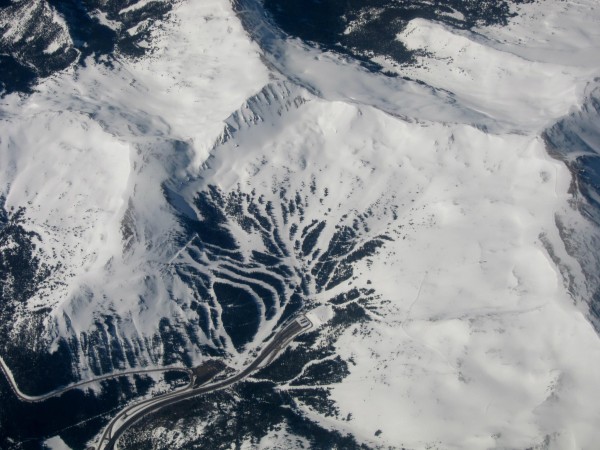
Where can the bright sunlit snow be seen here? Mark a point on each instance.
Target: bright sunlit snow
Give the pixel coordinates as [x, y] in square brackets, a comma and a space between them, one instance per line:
[478, 337]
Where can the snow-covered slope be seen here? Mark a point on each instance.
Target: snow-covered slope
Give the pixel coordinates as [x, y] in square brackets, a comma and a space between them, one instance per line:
[90, 157]
[508, 87]
[184, 204]
[575, 139]
[37, 36]
[453, 348]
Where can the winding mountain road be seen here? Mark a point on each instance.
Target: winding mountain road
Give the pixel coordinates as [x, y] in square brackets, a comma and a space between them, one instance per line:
[58, 392]
[133, 413]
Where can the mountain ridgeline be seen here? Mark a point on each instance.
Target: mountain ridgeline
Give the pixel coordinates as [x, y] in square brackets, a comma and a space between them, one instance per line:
[575, 139]
[41, 37]
[364, 29]
[248, 261]
[185, 209]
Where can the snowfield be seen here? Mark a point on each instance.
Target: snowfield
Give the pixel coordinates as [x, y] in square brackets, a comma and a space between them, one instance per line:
[478, 344]
[438, 201]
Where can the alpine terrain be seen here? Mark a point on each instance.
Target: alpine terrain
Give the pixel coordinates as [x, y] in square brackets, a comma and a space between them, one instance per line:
[287, 224]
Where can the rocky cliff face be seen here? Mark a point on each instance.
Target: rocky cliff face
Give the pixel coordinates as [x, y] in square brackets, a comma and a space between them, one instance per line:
[575, 139]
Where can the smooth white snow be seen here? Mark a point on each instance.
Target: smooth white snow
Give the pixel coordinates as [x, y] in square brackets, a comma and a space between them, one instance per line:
[56, 443]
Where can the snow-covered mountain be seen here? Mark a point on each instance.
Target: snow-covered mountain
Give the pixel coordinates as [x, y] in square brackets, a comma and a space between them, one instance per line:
[178, 178]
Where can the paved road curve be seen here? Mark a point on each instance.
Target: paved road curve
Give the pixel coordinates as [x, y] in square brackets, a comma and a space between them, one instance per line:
[58, 392]
[132, 414]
